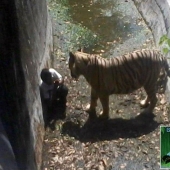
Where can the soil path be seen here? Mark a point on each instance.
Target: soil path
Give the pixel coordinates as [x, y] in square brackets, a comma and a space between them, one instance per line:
[129, 140]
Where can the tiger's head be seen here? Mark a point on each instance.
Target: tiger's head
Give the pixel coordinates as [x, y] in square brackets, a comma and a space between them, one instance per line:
[78, 62]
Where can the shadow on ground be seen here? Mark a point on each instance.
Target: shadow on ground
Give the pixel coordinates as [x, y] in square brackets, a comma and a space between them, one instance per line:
[112, 129]
[58, 113]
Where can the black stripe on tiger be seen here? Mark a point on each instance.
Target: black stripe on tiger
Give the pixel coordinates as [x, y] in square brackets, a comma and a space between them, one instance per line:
[122, 75]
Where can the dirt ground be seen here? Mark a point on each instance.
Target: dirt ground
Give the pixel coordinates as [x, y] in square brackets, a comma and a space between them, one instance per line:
[128, 140]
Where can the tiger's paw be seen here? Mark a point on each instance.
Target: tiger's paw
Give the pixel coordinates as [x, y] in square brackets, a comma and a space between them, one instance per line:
[88, 109]
[144, 104]
[103, 116]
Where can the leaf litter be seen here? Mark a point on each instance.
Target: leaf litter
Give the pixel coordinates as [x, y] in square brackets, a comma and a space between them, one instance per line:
[128, 140]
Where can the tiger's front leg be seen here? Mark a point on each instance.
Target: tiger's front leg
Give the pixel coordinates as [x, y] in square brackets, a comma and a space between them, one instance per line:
[105, 104]
[151, 98]
[91, 109]
[144, 103]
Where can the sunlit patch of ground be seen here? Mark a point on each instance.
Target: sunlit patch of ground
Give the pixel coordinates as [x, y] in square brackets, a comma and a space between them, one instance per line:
[128, 140]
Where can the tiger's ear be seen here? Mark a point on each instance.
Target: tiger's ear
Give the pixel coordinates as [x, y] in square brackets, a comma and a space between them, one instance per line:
[81, 49]
[72, 57]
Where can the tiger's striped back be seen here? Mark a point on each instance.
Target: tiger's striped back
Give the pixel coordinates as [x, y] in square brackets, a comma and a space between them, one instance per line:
[124, 74]
[121, 75]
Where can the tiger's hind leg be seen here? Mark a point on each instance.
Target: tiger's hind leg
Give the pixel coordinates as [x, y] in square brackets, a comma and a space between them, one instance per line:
[104, 99]
[150, 91]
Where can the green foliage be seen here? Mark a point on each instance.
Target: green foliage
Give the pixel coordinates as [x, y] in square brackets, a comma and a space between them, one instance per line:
[165, 43]
[163, 39]
[58, 9]
[74, 34]
[81, 36]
